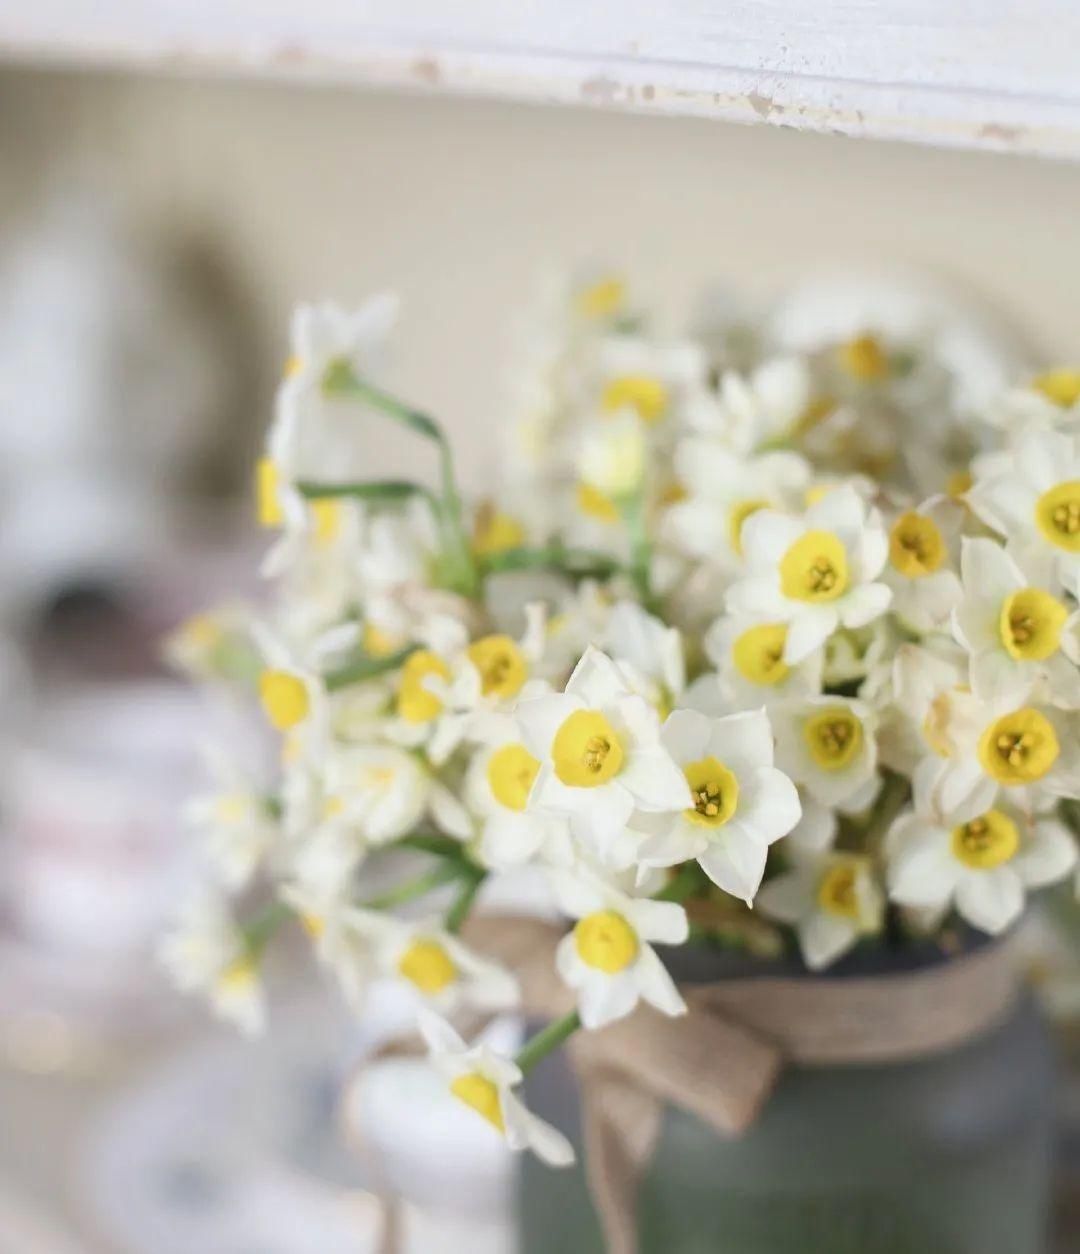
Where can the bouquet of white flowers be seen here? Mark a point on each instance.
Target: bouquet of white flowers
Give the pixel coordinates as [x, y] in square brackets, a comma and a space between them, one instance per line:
[750, 648]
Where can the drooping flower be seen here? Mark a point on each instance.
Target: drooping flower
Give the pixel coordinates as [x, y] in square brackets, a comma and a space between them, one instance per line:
[438, 968]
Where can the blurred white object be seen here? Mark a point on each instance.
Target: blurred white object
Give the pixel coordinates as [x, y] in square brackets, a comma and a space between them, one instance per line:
[109, 383]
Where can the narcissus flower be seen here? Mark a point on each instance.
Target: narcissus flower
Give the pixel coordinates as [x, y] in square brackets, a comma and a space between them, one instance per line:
[832, 901]
[828, 746]
[438, 968]
[1019, 634]
[237, 824]
[607, 958]
[980, 860]
[748, 654]
[815, 573]
[600, 753]
[484, 1081]
[921, 566]
[740, 803]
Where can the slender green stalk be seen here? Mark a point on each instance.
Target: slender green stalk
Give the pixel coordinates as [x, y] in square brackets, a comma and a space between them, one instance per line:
[259, 929]
[445, 873]
[365, 668]
[578, 563]
[459, 911]
[548, 1039]
[633, 511]
[685, 882]
[439, 846]
[378, 491]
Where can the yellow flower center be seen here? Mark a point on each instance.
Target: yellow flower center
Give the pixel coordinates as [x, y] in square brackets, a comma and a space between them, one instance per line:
[268, 494]
[482, 1095]
[294, 363]
[834, 737]
[501, 664]
[642, 392]
[235, 808]
[958, 483]
[586, 750]
[758, 654]
[495, 532]
[986, 842]
[864, 359]
[1057, 515]
[606, 941]
[511, 771]
[202, 632]
[916, 546]
[328, 515]
[1019, 748]
[1061, 386]
[937, 722]
[238, 976]
[1030, 624]
[428, 966]
[715, 792]
[738, 515]
[602, 299]
[378, 643]
[836, 890]
[284, 698]
[596, 504]
[414, 703]
[814, 568]
[313, 924]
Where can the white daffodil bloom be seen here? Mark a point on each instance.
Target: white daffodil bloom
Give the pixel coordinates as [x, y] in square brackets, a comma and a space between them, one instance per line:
[1030, 751]
[648, 652]
[439, 969]
[723, 489]
[832, 901]
[484, 1081]
[769, 404]
[1019, 635]
[600, 753]
[815, 573]
[654, 382]
[740, 803]
[345, 937]
[924, 703]
[238, 827]
[982, 861]
[291, 690]
[1051, 400]
[828, 745]
[496, 791]
[611, 462]
[607, 958]
[1033, 500]
[922, 559]
[748, 653]
[206, 952]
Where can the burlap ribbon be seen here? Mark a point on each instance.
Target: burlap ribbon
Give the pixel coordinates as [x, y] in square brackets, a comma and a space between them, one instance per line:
[721, 1060]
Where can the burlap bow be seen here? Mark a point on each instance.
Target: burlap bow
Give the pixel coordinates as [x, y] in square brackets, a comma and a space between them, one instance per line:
[721, 1060]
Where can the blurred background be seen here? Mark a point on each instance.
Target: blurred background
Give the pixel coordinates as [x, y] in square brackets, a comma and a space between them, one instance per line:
[154, 235]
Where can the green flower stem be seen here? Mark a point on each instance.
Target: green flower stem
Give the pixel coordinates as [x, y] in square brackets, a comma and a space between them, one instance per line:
[548, 1039]
[379, 491]
[459, 911]
[444, 873]
[439, 846]
[685, 882]
[633, 512]
[340, 380]
[578, 563]
[261, 927]
[365, 668]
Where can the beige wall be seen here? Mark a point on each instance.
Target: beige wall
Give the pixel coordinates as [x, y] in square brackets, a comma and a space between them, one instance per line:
[317, 191]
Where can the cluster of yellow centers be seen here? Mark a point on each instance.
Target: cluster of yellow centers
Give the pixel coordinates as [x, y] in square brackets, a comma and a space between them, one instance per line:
[427, 966]
[641, 392]
[511, 772]
[482, 1095]
[815, 568]
[1030, 624]
[714, 790]
[758, 654]
[606, 942]
[284, 698]
[1057, 515]
[916, 546]
[986, 842]
[837, 889]
[1019, 748]
[834, 737]
[586, 751]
